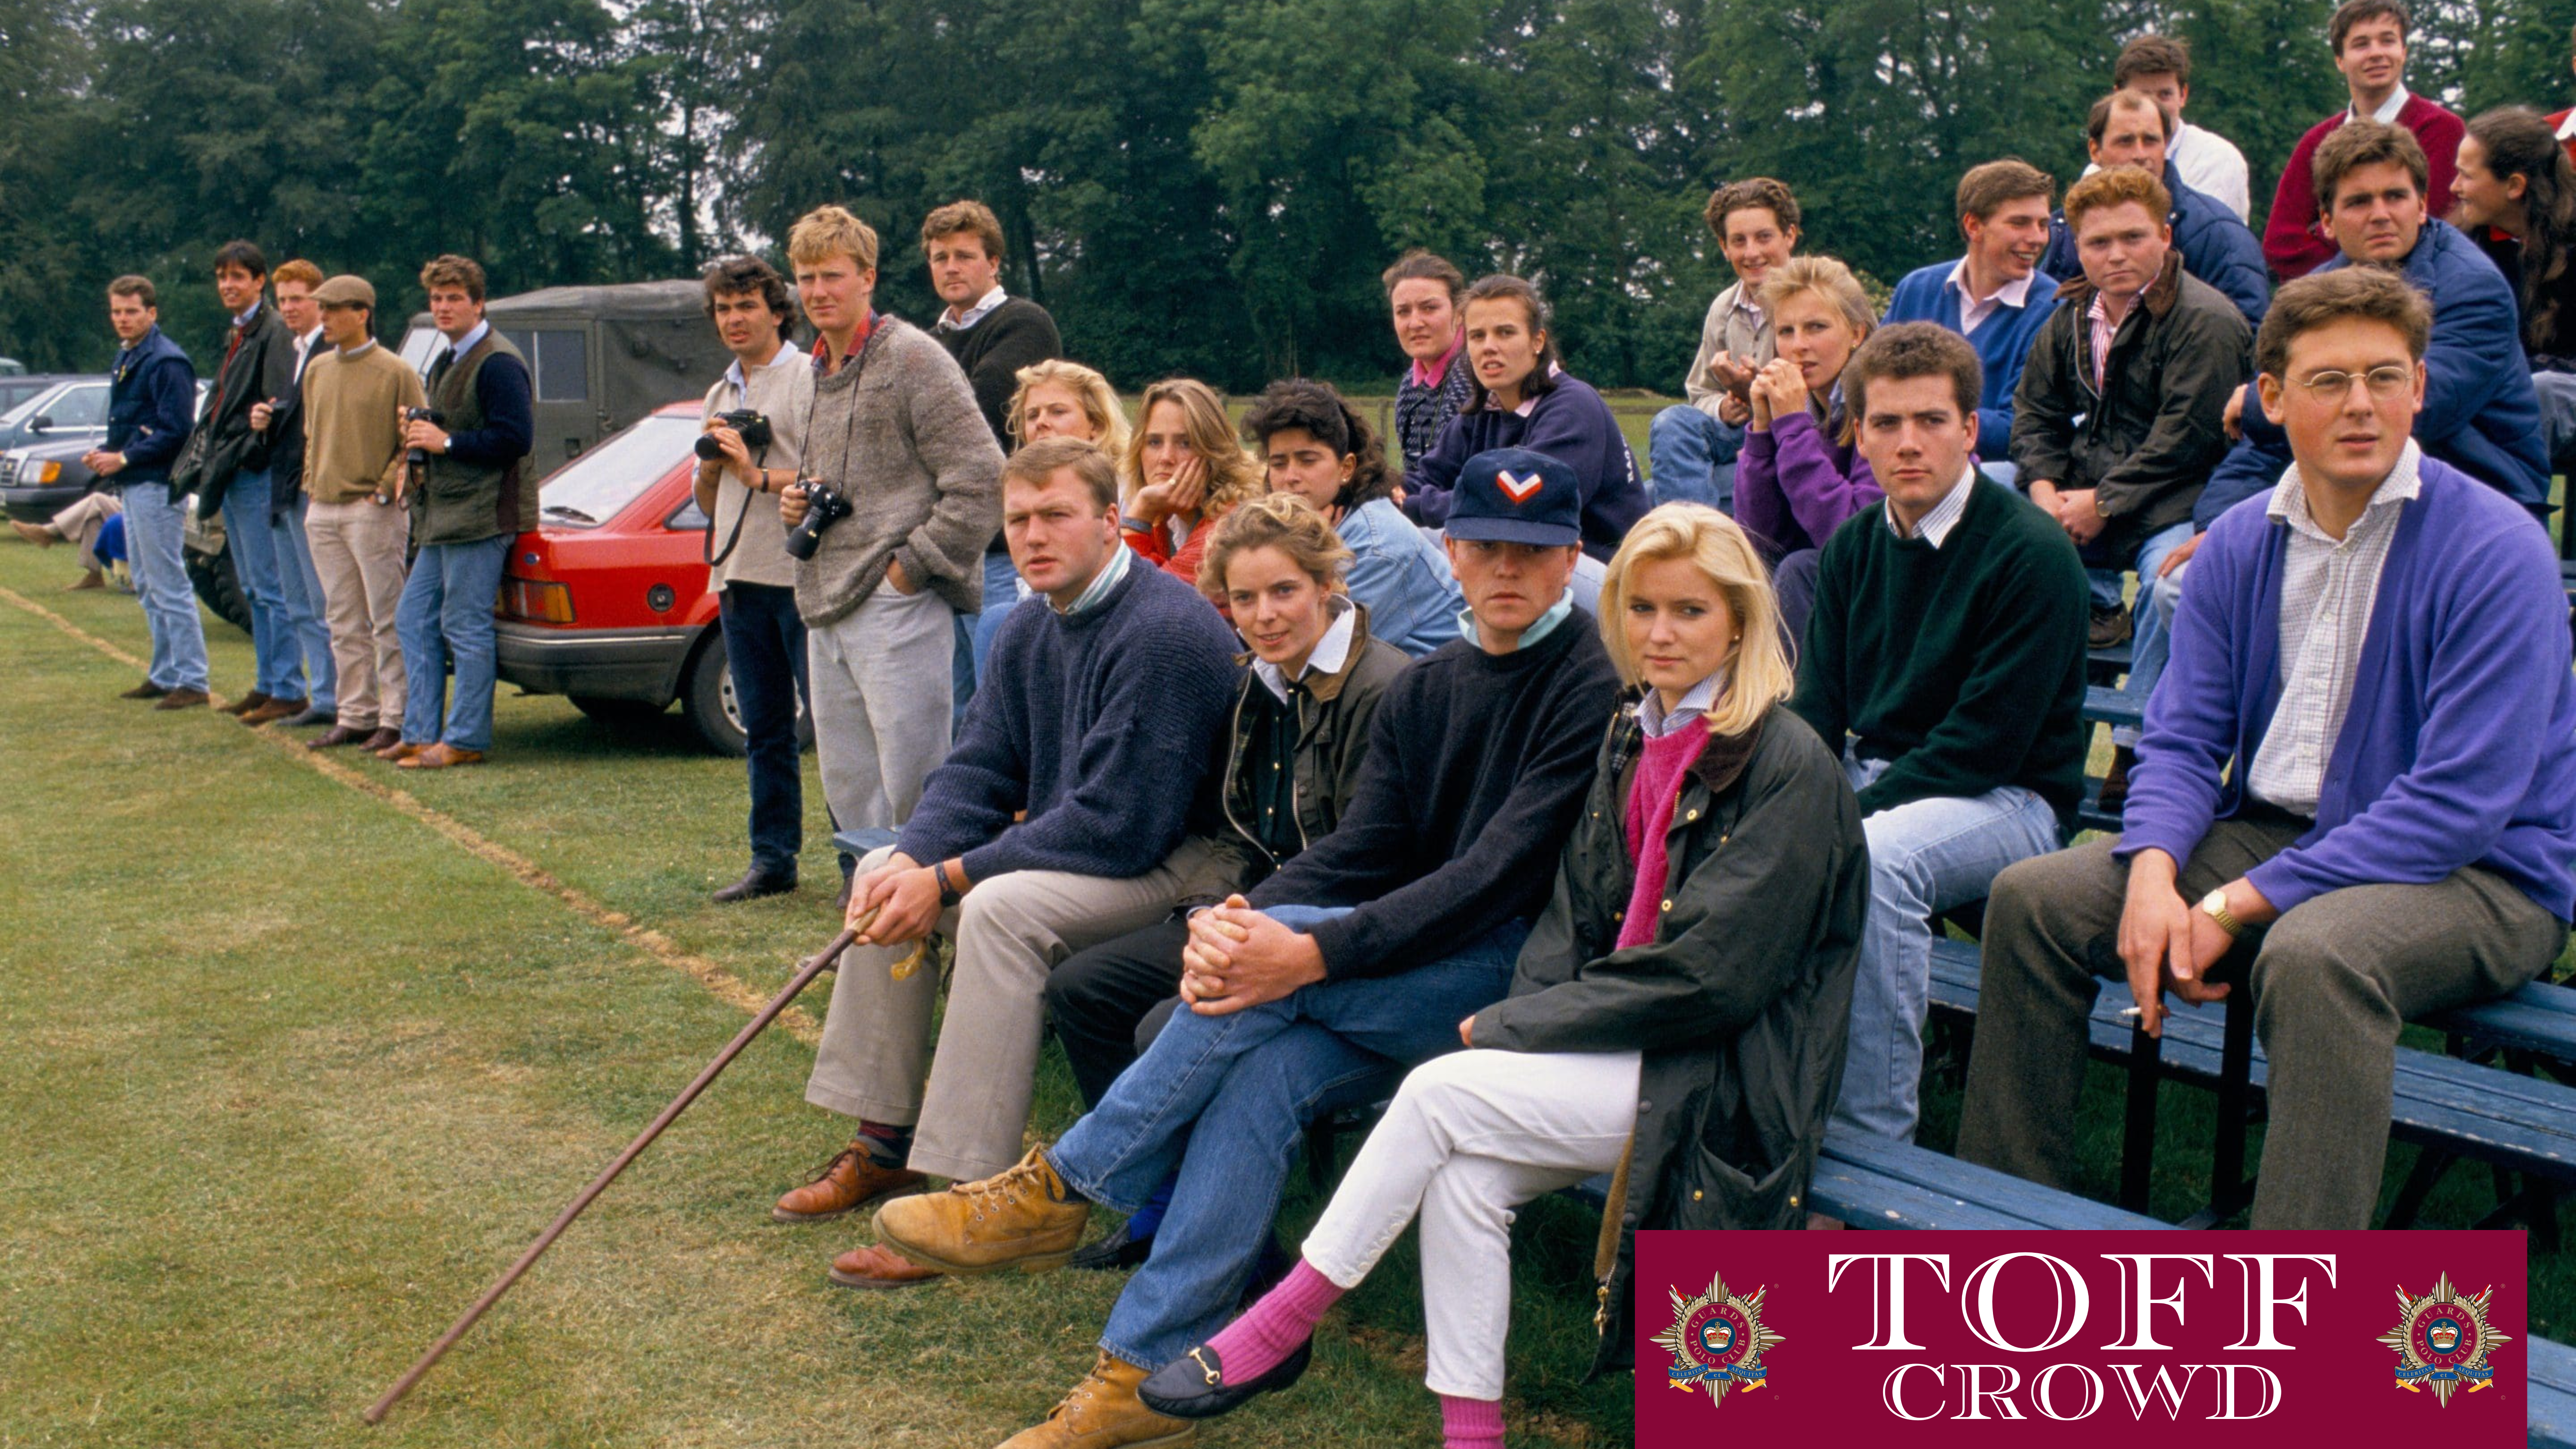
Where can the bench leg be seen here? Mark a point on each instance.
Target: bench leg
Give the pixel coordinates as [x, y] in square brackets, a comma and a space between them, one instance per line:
[2430, 1164]
[1321, 1137]
[2230, 1189]
[2138, 1145]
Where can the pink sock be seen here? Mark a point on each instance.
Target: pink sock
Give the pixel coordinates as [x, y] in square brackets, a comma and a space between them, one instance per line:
[1271, 1329]
[1470, 1423]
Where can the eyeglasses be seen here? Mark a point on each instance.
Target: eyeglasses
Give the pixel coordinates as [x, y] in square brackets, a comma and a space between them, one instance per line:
[2383, 382]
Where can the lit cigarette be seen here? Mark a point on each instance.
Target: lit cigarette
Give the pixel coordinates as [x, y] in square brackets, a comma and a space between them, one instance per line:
[2130, 1010]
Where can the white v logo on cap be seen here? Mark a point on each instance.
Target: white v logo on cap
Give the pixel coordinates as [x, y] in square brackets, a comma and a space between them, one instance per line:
[1519, 490]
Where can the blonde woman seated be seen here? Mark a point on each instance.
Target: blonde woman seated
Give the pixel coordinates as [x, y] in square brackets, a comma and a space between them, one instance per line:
[1183, 471]
[1799, 476]
[1681, 1008]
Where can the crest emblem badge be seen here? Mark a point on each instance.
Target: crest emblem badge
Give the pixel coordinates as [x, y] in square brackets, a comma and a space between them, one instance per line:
[1519, 490]
[1717, 1340]
[2442, 1339]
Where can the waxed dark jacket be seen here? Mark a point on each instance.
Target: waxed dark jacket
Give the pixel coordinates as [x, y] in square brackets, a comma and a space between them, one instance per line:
[1741, 1004]
[1333, 716]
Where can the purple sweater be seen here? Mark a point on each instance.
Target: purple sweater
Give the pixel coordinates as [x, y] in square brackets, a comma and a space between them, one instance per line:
[1795, 486]
[2460, 744]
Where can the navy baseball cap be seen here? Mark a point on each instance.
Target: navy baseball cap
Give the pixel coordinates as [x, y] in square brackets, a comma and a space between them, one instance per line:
[1512, 495]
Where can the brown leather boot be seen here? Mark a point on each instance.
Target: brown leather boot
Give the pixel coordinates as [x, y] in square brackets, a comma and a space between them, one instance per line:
[847, 1183]
[246, 703]
[272, 709]
[385, 738]
[1026, 1218]
[1103, 1411]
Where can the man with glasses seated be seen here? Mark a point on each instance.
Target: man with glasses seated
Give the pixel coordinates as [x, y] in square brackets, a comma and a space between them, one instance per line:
[2358, 779]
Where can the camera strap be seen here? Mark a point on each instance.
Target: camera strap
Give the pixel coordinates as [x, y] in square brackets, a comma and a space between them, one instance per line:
[707, 546]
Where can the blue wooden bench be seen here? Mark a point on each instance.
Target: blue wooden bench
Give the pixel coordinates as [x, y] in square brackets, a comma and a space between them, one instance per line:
[2451, 1106]
[2551, 1409]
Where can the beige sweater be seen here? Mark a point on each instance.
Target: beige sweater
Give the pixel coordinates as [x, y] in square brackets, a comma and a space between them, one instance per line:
[353, 422]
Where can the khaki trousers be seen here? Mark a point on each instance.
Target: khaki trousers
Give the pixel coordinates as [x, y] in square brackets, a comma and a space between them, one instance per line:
[1010, 933]
[81, 522]
[358, 551]
[2333, 980]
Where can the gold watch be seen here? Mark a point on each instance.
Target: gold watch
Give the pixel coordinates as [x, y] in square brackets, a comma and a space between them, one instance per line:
[2214, 906]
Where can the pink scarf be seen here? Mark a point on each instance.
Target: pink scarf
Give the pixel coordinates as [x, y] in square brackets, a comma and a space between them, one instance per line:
[1651, 794]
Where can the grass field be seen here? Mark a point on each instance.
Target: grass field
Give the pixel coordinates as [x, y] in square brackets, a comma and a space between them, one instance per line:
[303, 1051]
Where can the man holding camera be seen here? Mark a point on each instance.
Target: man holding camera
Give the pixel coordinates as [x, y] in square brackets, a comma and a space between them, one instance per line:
[355, 399]
[901, 488]
[470, 496]
[755, 428]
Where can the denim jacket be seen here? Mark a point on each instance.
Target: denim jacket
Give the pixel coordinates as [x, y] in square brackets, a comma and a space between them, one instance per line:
[1403, 578]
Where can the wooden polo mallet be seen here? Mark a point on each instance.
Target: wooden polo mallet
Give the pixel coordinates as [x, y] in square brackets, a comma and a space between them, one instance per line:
[812, 967]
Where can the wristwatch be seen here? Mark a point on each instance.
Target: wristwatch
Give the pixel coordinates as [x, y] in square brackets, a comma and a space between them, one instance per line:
[950, 895]
[2214, 906]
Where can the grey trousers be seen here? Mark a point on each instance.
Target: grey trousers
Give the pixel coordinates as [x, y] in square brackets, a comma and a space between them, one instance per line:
[879, 680]
[2333, 980]
[1011, 932]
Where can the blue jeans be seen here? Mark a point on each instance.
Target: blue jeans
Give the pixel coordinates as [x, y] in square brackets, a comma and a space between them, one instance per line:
[154, 533]
[301, 586]
[276, 671]
[1924, 856]
[446, 619]
[2149, 645]
[1244, 1086]
[1690, 457]
[975, 631]
[765, 647]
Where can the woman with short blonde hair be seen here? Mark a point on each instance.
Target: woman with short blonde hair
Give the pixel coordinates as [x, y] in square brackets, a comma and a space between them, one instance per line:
[1039, 409]
[1678, 1015]
[1183, 471]
[1800, 476]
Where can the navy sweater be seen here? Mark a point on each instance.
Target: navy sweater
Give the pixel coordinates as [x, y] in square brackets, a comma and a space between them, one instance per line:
[2003, 343]
[1100, 727]
[1570, 423]
[1477, 764]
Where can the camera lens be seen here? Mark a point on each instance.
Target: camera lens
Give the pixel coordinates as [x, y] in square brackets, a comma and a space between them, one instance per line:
[708, 448]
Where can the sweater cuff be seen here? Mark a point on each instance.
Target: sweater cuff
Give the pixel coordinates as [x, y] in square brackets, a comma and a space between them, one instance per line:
[2279, 881]
[1337, 941]
[914, 568]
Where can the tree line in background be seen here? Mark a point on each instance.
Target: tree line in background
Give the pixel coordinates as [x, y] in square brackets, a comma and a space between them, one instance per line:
[1198, 186]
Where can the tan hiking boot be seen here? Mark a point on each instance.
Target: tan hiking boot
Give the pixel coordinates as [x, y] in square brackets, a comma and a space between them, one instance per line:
[848, 1182]
[1026, 1218]
[1103, 1411]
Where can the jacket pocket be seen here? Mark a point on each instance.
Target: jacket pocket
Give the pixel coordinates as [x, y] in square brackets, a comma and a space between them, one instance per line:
[1712, 1192]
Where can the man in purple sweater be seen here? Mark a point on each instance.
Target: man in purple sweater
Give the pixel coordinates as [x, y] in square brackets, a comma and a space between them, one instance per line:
[2358, 780]
[1069, 813]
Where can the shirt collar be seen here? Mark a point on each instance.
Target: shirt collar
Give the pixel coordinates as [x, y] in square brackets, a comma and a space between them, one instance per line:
[785, 356]
[247, 313]
[1330, 653]
[1747, 302]
[1694, 703]
[2386, 115]
[858, 343]
[2567, 127]
[2290, 501]
[306, 341]
[1945, 515]
[1529, 401]
[358, 350]
[1437, 372]
[1545, 626]
[1101, 583]
[470, 340]
[2015, 293]
[959, 322]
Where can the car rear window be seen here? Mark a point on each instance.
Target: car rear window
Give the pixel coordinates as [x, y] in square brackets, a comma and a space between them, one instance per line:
[598, 485]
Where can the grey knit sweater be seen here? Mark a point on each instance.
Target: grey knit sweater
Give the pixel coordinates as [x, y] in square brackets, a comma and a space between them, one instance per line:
[896, 431]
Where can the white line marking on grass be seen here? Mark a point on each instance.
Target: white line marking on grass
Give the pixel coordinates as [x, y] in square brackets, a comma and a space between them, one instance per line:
[722, 984]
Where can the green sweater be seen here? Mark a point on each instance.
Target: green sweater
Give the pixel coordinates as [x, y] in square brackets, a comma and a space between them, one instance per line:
[1963, 665]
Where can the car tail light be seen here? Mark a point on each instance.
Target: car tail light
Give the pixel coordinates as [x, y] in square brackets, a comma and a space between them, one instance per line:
[535, 600]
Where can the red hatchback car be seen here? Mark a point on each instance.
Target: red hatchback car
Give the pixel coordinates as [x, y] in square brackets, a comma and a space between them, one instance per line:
[606, 603]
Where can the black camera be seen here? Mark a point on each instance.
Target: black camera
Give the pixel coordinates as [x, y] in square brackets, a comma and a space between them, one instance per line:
[419, 457]
[823, 508]
[751, 424]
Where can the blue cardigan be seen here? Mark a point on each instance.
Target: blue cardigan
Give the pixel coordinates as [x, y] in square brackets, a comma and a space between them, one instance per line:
[2459, 747]
[1570, 423]
[2215, 247]
[1100, 726]
[2003, 344]
[2480, 414]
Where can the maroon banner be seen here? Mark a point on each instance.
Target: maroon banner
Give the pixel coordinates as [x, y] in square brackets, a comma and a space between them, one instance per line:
[2000, 1338]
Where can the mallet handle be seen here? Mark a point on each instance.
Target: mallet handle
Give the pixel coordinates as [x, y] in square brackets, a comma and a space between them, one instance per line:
[804, 977]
